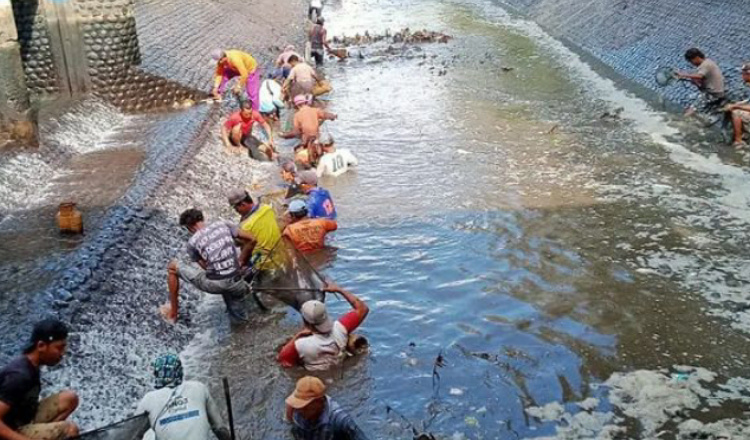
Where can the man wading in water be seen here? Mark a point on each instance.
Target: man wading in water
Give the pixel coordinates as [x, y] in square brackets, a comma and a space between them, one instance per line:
[22, 415]
[307, 234]
[215, 264]
[319, 41]
[315, 416]
[307, 121]
[323, 342]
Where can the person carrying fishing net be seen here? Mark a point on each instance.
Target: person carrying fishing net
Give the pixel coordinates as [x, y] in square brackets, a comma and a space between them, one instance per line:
[707, 78]
[259, 220]
[323, 343]
[178, 409]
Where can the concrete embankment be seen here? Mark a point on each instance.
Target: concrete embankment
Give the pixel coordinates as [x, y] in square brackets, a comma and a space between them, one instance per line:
[637, 37]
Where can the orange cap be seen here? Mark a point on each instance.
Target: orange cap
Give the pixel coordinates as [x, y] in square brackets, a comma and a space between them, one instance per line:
[308, 388]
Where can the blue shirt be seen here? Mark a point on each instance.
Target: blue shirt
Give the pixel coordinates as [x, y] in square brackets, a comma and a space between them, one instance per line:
[333, 424]
[320, 204]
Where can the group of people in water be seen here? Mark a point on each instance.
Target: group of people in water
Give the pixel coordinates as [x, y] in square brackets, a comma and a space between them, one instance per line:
[710, 81]
[234, 259]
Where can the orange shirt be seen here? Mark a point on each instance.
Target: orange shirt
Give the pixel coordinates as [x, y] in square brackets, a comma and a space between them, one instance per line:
[307, 121]
[310, 234]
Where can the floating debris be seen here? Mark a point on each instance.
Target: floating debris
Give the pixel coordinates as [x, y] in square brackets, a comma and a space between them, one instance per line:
[403, 36]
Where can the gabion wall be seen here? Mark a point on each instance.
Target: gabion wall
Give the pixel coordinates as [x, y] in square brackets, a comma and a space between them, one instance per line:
[109, 33]
[36, 54]
[636, 37]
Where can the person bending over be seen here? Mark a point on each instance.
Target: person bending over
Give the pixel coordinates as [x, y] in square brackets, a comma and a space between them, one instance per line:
[323, 342]
[307, 234]
[215, 264]
[177, 409]
[259, 220]
[22, 415]
[315, 416]
[301, 80]
[235, 63]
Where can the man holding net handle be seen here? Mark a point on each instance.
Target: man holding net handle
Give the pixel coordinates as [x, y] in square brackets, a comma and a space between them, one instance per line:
[709, 80]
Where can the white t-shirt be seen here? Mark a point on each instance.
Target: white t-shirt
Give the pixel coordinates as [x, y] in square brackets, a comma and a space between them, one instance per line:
[336, 163]
[185, 412]
[270, 96]
[321, 352]
[316, 4]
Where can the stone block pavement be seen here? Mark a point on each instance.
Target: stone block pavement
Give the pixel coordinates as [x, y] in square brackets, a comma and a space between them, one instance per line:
[636, 37]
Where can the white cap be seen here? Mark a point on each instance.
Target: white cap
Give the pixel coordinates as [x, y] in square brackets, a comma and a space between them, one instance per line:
[315, 314]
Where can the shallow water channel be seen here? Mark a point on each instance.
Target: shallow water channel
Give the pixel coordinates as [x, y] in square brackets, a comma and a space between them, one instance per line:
[500, 219]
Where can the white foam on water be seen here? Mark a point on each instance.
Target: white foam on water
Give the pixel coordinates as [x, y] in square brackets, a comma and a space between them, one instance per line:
[85, 129]
[653, 398]
[23, 178]
[26, 178]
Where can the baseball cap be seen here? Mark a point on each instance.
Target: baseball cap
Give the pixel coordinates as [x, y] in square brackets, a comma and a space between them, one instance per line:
[308, 177]
[308, 388]
[745, 67]
[314, 313]
[289, 167]
[47, 330]
[217, 54]
[297, 206]
[236, 196]
[300, 100]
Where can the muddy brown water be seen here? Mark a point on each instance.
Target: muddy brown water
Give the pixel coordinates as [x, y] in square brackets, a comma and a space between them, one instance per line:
[536, 261]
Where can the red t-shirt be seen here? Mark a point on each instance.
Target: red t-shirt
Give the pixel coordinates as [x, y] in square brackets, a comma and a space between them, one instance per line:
[289, 356]
[247, 124]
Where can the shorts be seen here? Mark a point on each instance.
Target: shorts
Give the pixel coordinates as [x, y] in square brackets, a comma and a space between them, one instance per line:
[42, 428]
[255, 148]
[318, 55]
[709, 103]
[233, 290]
[745, 117]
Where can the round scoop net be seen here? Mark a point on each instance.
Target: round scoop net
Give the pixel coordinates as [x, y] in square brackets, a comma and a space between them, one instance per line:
[664, 76]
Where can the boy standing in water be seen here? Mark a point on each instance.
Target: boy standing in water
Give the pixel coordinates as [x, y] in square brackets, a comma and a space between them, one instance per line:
[22, 415]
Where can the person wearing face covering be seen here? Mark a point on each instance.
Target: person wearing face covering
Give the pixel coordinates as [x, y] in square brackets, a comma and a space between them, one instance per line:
[178, 409]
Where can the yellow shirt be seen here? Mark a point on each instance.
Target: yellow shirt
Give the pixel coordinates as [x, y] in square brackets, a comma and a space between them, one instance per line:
[262, 224]
[239, 62]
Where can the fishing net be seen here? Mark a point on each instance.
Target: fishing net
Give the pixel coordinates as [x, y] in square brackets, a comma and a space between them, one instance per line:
[665, 76]
[291, 278]
[129, 429]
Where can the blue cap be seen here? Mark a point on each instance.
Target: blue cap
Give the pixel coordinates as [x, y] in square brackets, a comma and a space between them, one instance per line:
[297, 206]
